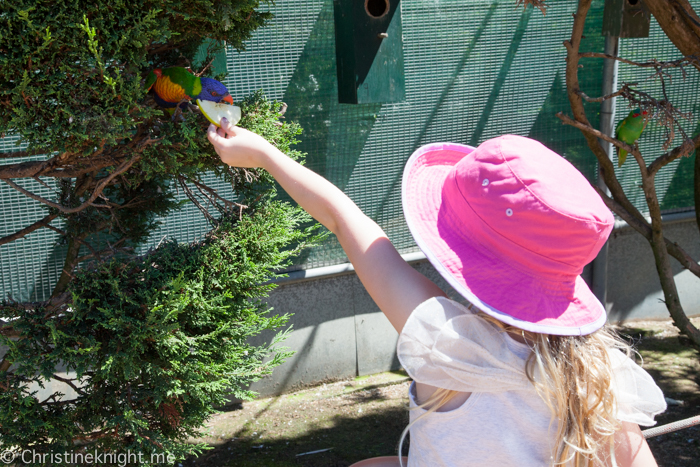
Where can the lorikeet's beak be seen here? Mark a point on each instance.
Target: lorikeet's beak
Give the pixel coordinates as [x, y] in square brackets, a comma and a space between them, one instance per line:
[227, 98]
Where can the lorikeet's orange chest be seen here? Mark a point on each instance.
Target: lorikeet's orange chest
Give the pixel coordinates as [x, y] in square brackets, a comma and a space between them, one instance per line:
[169, 91]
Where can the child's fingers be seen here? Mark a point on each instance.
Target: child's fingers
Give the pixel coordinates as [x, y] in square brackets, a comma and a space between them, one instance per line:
[211, 134]
[227, 127]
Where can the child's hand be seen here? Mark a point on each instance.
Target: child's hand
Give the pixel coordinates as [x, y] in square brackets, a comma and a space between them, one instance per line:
[236, 146]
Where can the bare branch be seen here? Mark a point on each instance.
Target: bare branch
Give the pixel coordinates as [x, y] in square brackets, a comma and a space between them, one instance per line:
[607, 170]
[692, 59]
[681, 151]
[29, 229]
[106, 253]
[680, 23]
[686, 260]
[54, 168]
[205, 68]
[69, 382]
[126, 165]
[662, 111]
[589, 129]
[213, 193]
[644, 228]
[600, 99]
[193, 197]
[8, 331]
[640, 225]
[540, 4]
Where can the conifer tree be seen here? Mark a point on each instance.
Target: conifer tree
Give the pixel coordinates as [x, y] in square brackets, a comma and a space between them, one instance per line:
[152, 342]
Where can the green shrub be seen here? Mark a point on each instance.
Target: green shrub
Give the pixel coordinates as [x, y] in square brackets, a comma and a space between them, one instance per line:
[153, 342]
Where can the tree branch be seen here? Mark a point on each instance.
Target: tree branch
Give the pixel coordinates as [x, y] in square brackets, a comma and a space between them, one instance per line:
[539, 4]
[69, 382]
[680, 23]
[619, 92]
[622, 145]
[683, 150]
[652, 64]
[98, 189]
[11, 155]
[640, 225]
[51, 168]
[643, 227]
[29, 229]
[573, 89]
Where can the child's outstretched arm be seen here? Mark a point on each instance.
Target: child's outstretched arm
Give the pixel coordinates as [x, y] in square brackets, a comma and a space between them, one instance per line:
[394, 285]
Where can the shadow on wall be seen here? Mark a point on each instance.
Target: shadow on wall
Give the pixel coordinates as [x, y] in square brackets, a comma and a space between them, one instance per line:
[324, 334]
[634, 290]
[338, 332]
[312, 94]
[313, 97]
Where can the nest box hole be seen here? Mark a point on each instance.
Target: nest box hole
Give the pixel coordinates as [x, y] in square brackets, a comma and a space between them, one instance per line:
[377, 8]
[633, 2]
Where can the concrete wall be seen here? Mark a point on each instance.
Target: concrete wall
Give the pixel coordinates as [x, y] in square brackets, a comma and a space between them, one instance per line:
[340, 333]
[634, 291]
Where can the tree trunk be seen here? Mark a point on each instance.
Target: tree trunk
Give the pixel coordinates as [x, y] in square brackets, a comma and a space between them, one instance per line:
[663, 263]
[68, 266]
[656, 238]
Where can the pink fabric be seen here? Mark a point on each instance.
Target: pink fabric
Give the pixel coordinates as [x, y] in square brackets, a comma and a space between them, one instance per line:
[510, 225]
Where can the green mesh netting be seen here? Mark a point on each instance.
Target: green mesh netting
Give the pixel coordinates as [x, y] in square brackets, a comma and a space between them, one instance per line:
[473, 70]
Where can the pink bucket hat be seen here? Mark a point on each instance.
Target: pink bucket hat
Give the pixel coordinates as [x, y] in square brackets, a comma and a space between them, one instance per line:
[510, 225]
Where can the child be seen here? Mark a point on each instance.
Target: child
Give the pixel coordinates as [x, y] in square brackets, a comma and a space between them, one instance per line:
[525, 376]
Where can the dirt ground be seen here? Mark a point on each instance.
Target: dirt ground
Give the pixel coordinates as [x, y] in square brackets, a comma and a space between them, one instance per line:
[339, 423]
[675, 366]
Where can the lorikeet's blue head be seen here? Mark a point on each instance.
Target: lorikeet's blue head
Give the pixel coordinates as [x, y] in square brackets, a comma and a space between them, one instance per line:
[212, 90]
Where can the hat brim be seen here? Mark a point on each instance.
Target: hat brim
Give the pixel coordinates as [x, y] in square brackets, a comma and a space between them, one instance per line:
[501, 289]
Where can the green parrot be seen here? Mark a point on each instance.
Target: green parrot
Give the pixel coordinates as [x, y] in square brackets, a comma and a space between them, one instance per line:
[629, 130]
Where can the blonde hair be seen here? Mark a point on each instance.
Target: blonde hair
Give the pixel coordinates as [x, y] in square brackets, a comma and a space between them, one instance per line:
[573, 375]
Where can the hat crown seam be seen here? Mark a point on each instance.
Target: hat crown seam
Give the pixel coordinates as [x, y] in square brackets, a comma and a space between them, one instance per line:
[459, 189]
[524, 185]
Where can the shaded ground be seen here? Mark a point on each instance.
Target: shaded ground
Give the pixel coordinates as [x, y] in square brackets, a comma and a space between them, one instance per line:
[675, 366]
[353, 420]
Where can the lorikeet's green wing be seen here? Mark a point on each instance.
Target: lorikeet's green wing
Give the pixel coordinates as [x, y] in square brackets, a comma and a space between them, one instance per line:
[179, 76]
[619, 132]
[150, 81]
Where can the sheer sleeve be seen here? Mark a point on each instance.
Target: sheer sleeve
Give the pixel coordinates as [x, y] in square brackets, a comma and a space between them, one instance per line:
[637, 396]
[446, 345]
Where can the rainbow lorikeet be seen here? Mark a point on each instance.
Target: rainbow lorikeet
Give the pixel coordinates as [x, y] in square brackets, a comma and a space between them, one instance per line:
[172, 85]
[629, 130]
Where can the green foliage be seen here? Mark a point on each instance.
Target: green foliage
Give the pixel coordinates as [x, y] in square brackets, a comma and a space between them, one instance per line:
[154, 342]
[185, 150]
[71, 71]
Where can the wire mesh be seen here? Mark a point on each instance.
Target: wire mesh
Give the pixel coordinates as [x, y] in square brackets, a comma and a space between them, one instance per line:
[473, 70]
